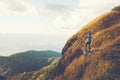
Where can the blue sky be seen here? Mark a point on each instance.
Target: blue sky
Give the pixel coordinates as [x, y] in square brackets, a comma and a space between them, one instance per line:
[57, 20]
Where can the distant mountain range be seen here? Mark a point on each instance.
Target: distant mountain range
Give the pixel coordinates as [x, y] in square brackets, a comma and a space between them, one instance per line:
[45, 73]
[26, 62]
[11, 43]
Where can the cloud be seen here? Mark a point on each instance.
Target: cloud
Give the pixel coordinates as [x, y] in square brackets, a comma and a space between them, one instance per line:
[57, 8]
[83, 13]
[18, 7]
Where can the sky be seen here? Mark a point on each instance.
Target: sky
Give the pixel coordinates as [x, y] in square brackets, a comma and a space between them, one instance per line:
[45, 24]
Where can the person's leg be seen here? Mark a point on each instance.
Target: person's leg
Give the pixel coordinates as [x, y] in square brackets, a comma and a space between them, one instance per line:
[89, 46]
[86, 46]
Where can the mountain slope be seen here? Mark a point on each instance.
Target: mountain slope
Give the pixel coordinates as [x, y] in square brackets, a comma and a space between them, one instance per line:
[26, 62]
[43, 74]
[104, 64]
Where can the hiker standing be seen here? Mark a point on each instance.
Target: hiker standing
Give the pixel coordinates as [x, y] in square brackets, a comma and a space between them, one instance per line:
[89, 39]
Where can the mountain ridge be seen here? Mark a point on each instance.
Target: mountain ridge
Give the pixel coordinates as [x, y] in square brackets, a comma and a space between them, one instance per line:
[103, 64]
[26, 61]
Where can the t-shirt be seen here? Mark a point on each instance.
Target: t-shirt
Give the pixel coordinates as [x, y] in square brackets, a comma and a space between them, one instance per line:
[89, 37]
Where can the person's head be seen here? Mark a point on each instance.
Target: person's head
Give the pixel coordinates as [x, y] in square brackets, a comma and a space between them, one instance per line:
[89, 32]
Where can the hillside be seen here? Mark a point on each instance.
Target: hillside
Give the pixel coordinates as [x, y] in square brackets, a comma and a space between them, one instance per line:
[43, 74]
[26, 62]
[104, 61]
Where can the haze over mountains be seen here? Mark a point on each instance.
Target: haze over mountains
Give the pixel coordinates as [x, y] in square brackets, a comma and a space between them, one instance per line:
[14, 43]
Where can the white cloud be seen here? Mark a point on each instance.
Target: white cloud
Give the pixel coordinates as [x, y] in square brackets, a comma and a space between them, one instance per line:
[83, 13]
[26, 7]
[57, 7]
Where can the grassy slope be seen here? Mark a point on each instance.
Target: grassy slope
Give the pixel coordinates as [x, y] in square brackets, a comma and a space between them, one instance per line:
[103, 64]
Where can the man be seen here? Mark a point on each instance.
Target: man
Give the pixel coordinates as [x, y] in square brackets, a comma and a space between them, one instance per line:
[89, 39]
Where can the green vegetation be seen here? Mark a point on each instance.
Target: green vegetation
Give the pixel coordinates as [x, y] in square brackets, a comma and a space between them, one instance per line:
[44, 74]
[26, 62]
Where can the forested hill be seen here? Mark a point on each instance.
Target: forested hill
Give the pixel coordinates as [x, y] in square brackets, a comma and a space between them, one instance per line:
[26, 62]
